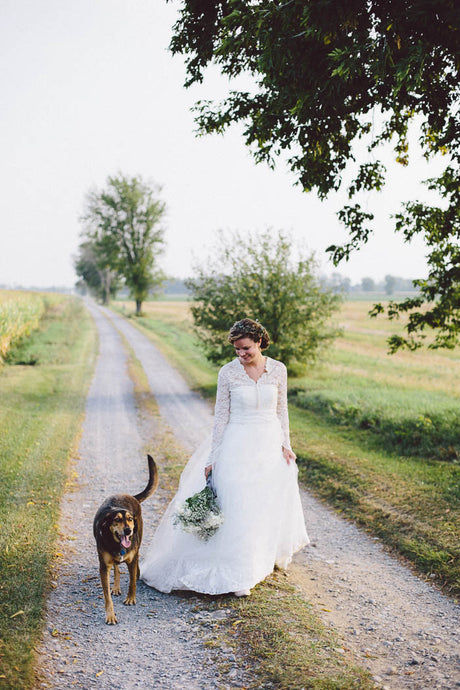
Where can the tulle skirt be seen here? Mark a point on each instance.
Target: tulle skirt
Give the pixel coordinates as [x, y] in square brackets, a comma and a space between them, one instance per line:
[263, 519]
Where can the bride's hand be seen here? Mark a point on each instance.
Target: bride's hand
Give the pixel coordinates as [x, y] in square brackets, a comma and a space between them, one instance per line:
[207, 470]
[289, 455]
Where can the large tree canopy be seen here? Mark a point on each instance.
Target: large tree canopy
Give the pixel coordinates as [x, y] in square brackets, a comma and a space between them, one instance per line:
[325, 73]
[122, 224]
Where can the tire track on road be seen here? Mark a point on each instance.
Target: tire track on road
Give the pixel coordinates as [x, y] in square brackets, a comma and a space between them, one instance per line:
[189, 416]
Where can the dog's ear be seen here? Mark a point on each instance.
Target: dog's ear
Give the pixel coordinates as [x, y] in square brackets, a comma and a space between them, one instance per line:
[102, 526]
[107, 521]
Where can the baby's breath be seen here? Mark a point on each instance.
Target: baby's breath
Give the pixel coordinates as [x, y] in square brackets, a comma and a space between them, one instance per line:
[200, 514]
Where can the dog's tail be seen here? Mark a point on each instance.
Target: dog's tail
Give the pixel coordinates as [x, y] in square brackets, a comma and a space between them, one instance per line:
[152, 483]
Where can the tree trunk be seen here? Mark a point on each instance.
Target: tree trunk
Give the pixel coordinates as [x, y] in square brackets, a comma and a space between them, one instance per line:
[138, 307]
[107, 286]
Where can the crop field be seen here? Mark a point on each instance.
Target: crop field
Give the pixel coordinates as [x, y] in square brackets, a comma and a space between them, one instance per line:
[377, 435]
[20, 314]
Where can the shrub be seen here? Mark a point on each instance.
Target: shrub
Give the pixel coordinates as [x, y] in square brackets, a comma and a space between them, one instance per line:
[256, 276]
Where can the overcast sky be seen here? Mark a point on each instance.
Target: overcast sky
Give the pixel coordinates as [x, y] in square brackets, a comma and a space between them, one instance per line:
[88, 89]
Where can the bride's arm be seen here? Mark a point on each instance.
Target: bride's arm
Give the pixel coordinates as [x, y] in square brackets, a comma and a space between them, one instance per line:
[221, 416]
[282, 412]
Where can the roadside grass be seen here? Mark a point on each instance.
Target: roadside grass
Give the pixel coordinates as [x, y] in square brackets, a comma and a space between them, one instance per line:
[377, 435]
[276, 628]
[41, 404]
[411, 503]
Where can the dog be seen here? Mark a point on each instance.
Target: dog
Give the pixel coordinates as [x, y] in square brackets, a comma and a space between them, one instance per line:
[117, 529]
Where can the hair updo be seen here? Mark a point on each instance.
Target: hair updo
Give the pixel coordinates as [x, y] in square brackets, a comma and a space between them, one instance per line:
[247, 328]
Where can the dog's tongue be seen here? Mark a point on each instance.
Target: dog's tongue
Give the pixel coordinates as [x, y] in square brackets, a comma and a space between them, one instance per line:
[125, 542]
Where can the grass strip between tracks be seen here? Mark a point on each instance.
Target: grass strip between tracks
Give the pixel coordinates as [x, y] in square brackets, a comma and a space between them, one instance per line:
[41, 407]
[275, 630]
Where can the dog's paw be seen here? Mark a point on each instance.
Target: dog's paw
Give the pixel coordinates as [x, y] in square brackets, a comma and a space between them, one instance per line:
[111, 619]
[116, 591]
[130, 601]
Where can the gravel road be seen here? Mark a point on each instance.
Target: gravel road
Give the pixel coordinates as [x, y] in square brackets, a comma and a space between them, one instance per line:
[160, 642]
[399, 627]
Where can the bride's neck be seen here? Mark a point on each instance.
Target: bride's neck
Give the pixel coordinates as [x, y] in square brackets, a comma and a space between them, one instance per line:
[256, 363]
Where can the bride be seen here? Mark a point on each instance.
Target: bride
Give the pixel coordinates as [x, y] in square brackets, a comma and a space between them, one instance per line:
[254, 475]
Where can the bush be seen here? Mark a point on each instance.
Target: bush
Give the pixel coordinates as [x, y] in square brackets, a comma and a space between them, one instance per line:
[256, 276]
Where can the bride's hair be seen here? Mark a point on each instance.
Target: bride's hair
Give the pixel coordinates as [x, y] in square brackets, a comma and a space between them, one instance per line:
[247, 328]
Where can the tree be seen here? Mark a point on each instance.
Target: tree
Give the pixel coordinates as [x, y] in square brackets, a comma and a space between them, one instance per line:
[122, 223]
[259, 278]
[95, 274]
[390, 283]
[367, 284]
[339, 283]
[326, 72]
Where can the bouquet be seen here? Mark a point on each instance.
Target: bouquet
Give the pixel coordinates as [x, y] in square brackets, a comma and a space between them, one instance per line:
[200, 514]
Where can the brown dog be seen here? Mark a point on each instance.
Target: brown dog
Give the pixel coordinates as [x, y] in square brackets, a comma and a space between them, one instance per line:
[118, 532]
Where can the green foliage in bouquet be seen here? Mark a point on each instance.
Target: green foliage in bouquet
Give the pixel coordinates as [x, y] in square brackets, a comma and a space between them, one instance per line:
[200, 514]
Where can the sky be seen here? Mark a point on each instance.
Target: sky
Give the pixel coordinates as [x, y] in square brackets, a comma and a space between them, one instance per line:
[89, 89]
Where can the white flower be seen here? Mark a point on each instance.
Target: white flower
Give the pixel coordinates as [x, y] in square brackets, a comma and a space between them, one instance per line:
[200, 514]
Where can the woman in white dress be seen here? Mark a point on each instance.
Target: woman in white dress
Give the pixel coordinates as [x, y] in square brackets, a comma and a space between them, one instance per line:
[254, 475]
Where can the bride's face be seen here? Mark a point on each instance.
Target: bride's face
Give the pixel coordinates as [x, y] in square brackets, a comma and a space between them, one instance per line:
[247, 350]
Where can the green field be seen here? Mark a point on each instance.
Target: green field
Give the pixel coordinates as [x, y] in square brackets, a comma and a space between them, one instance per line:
[43, 387]
[377, 435]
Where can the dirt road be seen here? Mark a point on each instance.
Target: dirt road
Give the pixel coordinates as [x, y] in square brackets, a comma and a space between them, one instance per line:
[399, 627]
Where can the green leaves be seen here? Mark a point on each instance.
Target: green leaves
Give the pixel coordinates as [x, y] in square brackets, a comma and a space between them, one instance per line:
[356, 220]
[370, 176]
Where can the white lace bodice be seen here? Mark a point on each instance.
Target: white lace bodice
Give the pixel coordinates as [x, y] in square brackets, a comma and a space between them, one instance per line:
[239, 398]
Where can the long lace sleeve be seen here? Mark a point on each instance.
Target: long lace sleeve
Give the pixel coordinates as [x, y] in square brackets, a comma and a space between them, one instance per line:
[221, 413]
[282, 407]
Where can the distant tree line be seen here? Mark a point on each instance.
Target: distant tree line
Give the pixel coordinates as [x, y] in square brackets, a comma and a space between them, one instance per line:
[175, 286]
[390, 285]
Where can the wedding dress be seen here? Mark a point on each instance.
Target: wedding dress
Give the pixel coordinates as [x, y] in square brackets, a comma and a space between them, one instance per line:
[256, 489]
